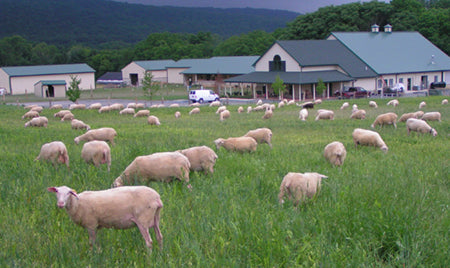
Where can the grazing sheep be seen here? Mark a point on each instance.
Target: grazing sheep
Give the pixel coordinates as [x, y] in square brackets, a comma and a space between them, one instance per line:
[77, 106]
[37, 108]
[153, 120]
[303, 114]
[67, 117]
[140, 105]
[422, 105]
[95, 106]
[281, 104]
[335, 153]
[174, 105]
[78, 124]
[318, 101]
[299, 186]
[101, 134]
[195, 111]
[385, 119]
[30, 114]
[54, 152]
[432, 116]
[406, 116]
[142, 113]
[292, 102]
[225, 115]
[259, 108]
[373, 104]
[358, 114]
[267, 114]
[104, 109]
[261, 135]
[221, 109]
[177, 114]
[156, 167]
[56, 106]
[272, 107]
[116, 107]
[368, 138]
[238, 144]
[40, 121]
[354, 108]
[325, 114]
[29, 107]
[240, 109]
[394, 103]
[131, 105]
[119, 208]
[195, 104]
[215, 104]
[200, 158]
[61, 113]
[249, 109]
[345, 105]
[259, 102]
[419, 126]
[444, 101]
[307, 105]
[127, 111]
[96, 153]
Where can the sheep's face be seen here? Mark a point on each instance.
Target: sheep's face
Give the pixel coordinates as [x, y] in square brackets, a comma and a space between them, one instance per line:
[433, 132]
[218, 143]
[63, 194]
[384, 148]
[76, 140]
[118, 182]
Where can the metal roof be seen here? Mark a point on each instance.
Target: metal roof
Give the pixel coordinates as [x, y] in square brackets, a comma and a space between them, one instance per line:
[291, 77]
[154, 65]
[48, 69]
[222, 65]
[110, 76]
[395, 52]
[51, 82]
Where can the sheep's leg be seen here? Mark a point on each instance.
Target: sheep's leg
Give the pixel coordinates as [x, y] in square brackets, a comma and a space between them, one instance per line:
[92, 236]
[145, 234]
[159, 236]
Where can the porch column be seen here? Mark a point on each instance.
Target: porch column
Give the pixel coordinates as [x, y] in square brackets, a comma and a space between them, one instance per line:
[314, 91]
[267, 91]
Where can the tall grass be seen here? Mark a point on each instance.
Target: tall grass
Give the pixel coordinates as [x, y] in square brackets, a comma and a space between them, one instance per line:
[376, 210]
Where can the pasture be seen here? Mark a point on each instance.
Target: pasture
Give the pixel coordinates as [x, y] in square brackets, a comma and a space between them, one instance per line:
[376, 210]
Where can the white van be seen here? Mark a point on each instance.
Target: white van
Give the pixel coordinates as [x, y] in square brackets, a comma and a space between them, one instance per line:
[202, 95]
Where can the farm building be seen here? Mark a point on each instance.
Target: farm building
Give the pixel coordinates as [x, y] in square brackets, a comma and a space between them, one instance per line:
[110, 79]
[45, 80]
[134, 72]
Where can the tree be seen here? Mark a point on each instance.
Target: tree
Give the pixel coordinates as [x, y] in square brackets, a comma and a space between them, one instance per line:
[278, 86]
[149, 86]
[320, 87]
[74, 91]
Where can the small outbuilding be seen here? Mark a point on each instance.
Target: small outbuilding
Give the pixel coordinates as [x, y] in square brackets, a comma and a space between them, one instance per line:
[50, 88]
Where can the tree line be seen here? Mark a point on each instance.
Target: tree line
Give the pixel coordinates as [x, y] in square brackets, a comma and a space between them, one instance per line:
[430, 18]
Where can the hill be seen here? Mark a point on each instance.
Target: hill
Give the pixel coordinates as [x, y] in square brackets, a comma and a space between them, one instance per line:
[66, 22]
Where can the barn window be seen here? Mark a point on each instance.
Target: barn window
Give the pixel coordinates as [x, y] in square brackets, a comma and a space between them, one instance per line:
[277, 65]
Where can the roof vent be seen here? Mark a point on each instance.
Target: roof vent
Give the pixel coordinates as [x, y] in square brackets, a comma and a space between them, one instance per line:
[432, 62]
[387, 28]
[375, 28]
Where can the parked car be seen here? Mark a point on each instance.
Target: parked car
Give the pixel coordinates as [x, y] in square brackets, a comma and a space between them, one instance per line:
[441, 84]
[202, 95]
[353, 92]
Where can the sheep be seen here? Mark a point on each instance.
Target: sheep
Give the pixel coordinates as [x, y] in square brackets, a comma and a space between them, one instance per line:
[267, 114]
[444, 101]
[422, 105]
[102, 134]
[224, 115]
[281, 104]
[368, 138]
[318, 101]
[153, 120]
[373, 104]
[221, 109]
[259, 102]
[300, 186]
[406, 116]
[131, 105]
[174, 105]
[40, 121]
[259, 108]
[96, 153]
[238, 144]
[54, 152]
[240, 109]
[358, 114]
[74, 106]
[335, 153]
[56, 106]
[140, 105]
[196, 110]
[354, 108]
[119, 208]
[29, 107]
[432, 116]
[127, 111]
[261, 135]
[177, 114]
[307, 105]
[104, 109]
[325, 114]
[200, 158]
[30, 114]
[116, 107]
[156, 167]
[292, 102]
[95, 106]
[344, 105]
[195, 104]
[78, 124]
[67, 117]
[272, 107]
[394, 103]
[37, 108]
[249, 109]
[303, 114]
[61, 113]
[142, 113]
[419, 126]
[215, 104]
[385, 119]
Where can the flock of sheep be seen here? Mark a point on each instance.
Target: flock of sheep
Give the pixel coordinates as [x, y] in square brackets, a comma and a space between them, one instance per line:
[128, 206]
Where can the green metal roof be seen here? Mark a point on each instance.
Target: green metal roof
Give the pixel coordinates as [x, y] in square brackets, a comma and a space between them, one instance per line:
[291, 77]
[223, 65]
[395, 52]
[52, 82]
[48, 69]
[154, 65]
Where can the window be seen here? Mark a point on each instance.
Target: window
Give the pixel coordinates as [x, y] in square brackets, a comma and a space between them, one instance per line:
[391, 82]
[400, 80]
[277, 65]
[436, 78]
[380, 83]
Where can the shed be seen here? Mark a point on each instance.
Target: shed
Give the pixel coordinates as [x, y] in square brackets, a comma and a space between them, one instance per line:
[50, 88]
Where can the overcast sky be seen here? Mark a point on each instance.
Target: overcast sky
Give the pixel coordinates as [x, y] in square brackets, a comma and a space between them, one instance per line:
[300, 6]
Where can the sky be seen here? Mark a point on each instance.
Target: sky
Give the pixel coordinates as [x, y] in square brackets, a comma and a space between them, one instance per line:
[299, 6]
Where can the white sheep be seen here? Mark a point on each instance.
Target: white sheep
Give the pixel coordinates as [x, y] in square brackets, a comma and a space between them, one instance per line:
[394, 103]
[196, 110]
[30, 114]
[249, 109]
[174, 105]
[444, 101]
[140, 105]
[102, 134]
[224, 115]
[281, 104]
[195, 104]
[96, 153]
[200, 158]
[432, 116]
[259, 102]
[240, 109]
[238, 144]
[78, 124]
[419, 126]
[104, 109]
[127, 111]
[153, 120]
[406, 116]
[142, 113]
[259, 108]
[324, 114]
[74, 106]
[56, 106]
[162, 166]
[177, 114]
[54, 152]
[61, 113]
[95, 106]
[368, 138]
[261, 135]
[318, 101]
[422, 105]
[300, 186]
[40, 121]
[303, 114]
[116, 107]
[373, 104]
[335, 153]
[385, 119]
[67, 117]
[37, 108]
[358, 114]
[131, 105]
[354, 108]
[119, 208]
[267, 114]
[221, 109]
[344, 105]
[215, 104]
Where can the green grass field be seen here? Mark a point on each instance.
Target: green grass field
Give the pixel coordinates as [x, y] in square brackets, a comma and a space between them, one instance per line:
[377, 210]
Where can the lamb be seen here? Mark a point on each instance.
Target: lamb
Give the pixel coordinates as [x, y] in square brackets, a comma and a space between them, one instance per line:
[67, 117]
[77, 106]
[422, 105]
[335, 153]
[444, 101]
[177, 114]
[261, 135]
[385, 119]
[267, 114]
[221, 109]
[325, 114]
[215, 104]
[40, 121]
[299, 186]
[61, 113]
[238, 144]
[196, 110]
[102, 134]
[153, 120]
[240, 109]
[119, 208]
[394, 103]
[127, 111]
[419, 126]
[358, 114]
[30, 114]
[303, 114]
[78, 124]
[373, 104]
[54, 152]
[104, 109]
[224, 115]
[156, 167]
[200, 158]
[432, 116]
[345, 105]
[96, 153]
[142, 113]
[95, 106]
[406, 116]
[56, 106]
[368, 138]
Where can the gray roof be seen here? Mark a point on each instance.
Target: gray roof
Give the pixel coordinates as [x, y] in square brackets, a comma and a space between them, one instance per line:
[291, 77]
[223, 65]
[396, 52]
[52, 82]
[154, 65]
[48, 69]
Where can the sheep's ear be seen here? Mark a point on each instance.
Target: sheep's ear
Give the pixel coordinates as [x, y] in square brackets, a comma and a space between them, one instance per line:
[323, 176]
[52, 189]
[72, 192]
